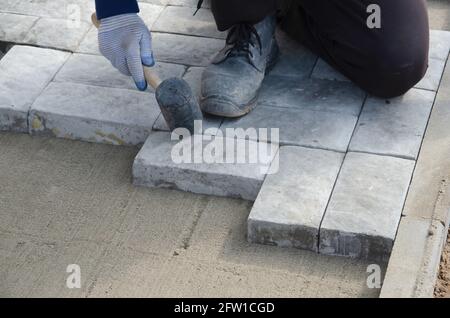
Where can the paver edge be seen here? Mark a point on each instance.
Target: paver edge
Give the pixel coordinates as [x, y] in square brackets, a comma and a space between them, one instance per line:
[422, 281]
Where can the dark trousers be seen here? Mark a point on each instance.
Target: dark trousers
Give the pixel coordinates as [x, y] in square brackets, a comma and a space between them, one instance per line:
[386, 61]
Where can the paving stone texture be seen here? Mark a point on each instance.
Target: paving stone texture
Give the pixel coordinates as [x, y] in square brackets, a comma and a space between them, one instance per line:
[345, 159]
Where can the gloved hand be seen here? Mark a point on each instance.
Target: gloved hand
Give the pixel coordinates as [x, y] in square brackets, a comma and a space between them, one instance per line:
[126, 42]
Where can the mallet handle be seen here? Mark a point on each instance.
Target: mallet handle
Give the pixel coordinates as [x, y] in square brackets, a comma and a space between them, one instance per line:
[150, 75]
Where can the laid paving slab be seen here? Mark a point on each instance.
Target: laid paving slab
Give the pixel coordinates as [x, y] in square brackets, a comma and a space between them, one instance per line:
[299, 127]
[69, 9]
[312, 94]
[185, 165]
[325, 71]
[57, 33]
[14, 27]
[89, 44]
[365, 208]
[181, 20]
[394, 127]
[98, 71]
[95, 114]
[186, 50]
[433, 76]
[439, 44]
[25, 71]
[295, 60]
[150, 12]
[292, 202]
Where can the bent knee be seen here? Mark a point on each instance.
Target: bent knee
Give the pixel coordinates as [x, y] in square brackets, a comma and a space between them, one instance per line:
[394, 73]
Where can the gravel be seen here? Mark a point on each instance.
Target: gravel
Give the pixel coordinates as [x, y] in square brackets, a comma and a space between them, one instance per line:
[443, 285]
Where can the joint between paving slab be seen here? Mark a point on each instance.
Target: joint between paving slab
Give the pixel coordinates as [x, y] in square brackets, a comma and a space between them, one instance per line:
[339, 173]
[328, 202]
[42, 47]
[420, 149]
[313, 68]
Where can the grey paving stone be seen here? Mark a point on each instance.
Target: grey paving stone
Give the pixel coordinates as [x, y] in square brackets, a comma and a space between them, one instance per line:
[295, 60]
[312, 94]
[57, 33]
[150, 13]
[366, 206]
[439, 44]
[154, 166]
[89, 44]
[181, 20]
[62, 9]
[98, 71]
[95, 114]
[292, 202]
[187, 50]
[396, 127]
[8, 5]
[323, 70]
[433, 76]
[300, 127]
[14, 27]
[25, 71]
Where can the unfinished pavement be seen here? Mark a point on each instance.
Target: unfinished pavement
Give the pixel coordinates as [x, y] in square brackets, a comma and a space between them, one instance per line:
[308, 62]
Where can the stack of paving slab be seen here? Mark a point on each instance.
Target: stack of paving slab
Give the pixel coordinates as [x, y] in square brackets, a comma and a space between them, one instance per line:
[344, 159]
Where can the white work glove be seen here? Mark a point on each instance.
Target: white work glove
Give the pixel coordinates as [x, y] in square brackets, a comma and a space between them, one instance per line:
[126, 42]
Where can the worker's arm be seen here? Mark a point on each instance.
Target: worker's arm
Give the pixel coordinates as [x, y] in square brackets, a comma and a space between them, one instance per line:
[124, 39]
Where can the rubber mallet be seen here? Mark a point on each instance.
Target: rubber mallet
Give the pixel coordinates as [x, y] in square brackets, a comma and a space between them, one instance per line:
[178, 104]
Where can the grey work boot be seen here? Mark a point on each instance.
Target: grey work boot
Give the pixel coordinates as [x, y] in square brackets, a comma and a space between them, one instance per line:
[231, 83]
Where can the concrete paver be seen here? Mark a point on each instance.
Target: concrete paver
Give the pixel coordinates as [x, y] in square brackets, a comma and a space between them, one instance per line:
[310, 94]
[180, 20]
[21, 84]
[183, 49]
[201, 166]
[398, 124]
[93, 113]
[292, 203]
[300, 127]
[96, 70]
[365, 208]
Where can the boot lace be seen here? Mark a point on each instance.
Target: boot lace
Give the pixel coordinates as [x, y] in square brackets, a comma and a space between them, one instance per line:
[239, 38]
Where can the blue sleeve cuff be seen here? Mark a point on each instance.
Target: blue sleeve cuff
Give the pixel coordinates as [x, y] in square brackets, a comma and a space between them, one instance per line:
[109, 8]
